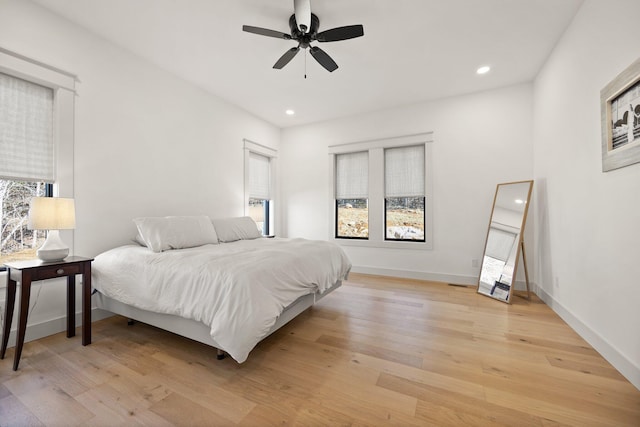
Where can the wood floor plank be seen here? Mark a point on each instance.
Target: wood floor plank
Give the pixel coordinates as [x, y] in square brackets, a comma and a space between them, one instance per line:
[450, 408]
[339, 389]
[15, 413]
[186, 379]
[585, 367]
[371, 350]
[26, 380]
[378, 351]
[112, 406]
[557, 410]
[53, 406]
[179, 410]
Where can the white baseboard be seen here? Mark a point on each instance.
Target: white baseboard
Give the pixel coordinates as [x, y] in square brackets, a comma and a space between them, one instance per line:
[456, 279]
[619, 361]
[52, 326]
[420, 275]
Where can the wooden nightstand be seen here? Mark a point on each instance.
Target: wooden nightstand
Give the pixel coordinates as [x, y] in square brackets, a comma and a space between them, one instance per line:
[26, 272]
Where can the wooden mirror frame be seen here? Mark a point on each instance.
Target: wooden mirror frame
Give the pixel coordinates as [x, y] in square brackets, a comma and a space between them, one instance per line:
[519, 246]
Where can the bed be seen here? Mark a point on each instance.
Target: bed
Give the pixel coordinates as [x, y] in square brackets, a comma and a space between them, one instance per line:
[229, 289]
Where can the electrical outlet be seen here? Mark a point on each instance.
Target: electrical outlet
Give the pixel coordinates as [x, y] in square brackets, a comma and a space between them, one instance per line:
[475, 263]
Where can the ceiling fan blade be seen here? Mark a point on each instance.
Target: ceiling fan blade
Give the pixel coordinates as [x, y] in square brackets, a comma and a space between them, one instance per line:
[341, 33]
[302, 10]
[284, 59]
[323, 59]
[266, 32]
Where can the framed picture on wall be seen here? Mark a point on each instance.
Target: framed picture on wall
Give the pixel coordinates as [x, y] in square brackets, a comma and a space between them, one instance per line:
[620, 107]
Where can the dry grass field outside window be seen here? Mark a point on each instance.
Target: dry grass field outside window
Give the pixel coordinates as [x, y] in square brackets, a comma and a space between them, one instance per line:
[354, 222]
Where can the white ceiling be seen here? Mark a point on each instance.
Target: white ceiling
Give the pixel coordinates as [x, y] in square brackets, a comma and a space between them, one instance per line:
[412, 50]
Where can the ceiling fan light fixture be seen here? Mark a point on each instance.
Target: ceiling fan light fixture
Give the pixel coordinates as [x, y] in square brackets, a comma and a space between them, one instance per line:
[290, 112]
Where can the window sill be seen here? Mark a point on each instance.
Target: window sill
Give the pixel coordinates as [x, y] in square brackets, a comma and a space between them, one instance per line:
[416, 246]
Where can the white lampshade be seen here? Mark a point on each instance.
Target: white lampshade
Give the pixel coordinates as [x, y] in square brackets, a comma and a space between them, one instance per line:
[53, 214]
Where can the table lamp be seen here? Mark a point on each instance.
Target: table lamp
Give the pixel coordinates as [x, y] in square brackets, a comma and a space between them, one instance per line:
[52, 214]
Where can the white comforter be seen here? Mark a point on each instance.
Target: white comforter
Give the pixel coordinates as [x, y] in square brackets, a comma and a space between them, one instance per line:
[239, 288]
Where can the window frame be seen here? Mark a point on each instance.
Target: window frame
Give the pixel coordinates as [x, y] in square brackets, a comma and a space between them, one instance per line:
[64, 93]
[345, 173]
[377, 224]
[270, 211]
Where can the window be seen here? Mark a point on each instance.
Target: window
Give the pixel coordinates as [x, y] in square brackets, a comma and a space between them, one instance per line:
[404, 193]
[36, 141]
[381, 193]
[259, 194]
[352, 188]
[259, 164]
[27, 169]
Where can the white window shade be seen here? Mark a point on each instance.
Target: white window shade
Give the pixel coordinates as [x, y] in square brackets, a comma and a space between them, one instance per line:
[404, 171]
[26, 130]
[259, 177]
[500, 244]
[352, 175]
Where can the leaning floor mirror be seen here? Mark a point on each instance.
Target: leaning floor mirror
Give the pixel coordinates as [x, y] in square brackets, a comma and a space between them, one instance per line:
[505, 241]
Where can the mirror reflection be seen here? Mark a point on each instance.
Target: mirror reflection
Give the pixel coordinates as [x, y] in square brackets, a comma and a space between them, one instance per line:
[504, 237]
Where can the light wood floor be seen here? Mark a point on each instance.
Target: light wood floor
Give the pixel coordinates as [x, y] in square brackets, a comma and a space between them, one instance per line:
[378, 351]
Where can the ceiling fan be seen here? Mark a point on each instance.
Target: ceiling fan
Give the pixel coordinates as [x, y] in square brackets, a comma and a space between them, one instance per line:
[304, 29]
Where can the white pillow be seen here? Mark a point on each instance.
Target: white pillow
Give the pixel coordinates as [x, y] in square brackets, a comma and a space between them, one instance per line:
[232, 229]
[139, 240]
[176, 232]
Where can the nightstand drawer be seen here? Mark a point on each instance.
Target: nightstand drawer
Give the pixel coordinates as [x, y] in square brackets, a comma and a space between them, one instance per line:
[56, 271]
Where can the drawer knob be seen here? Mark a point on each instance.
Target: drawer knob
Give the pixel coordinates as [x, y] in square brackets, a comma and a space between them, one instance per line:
[60, 271]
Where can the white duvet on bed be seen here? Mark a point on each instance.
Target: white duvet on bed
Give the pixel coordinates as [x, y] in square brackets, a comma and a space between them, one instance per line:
[239, 288]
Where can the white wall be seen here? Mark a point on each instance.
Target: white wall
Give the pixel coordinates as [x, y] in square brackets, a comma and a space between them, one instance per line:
[146, 142]
[588, 222]
[480, 140]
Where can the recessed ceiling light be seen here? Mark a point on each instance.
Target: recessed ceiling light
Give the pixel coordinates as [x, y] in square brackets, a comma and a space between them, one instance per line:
[483, 70]
[519, 201]
[290, 112]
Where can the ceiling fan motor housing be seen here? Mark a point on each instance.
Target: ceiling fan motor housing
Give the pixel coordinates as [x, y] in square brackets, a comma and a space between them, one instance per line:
[304, 38]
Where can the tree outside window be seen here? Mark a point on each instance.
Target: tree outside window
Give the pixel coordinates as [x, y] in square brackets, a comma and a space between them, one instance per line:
[17, 241]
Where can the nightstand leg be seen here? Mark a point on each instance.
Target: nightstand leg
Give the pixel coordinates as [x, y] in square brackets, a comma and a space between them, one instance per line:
[8, 315]
[71, 306]
[86, 304]
[25, 294]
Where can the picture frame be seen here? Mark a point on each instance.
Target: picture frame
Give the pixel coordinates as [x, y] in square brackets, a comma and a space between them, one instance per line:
[620, 112]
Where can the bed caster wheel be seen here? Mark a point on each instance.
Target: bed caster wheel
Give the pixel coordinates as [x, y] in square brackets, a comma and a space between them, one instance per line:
[131, 322]
[220, 355]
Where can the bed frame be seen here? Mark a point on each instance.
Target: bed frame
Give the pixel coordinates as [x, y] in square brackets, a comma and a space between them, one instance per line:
[198, 331]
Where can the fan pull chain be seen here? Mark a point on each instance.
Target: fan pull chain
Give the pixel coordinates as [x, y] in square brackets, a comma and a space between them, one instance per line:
[305, 63]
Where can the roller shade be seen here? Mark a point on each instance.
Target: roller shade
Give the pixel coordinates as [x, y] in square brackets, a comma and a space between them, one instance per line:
[352, 175]
[404, 171]
[26, 130]
[500, 244]
[259, 177]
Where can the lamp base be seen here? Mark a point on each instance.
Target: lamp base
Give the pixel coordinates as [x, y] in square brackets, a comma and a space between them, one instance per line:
[53, 249]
